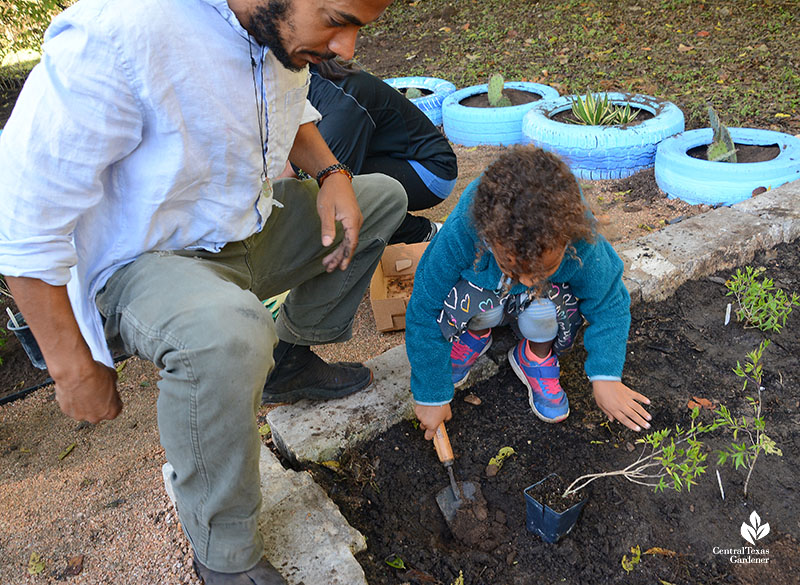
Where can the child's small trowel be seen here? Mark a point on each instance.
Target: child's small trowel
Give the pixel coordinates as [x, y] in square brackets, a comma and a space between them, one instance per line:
[451, 498]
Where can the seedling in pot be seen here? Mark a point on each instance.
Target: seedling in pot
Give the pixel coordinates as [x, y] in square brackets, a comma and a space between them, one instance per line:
[669, 459]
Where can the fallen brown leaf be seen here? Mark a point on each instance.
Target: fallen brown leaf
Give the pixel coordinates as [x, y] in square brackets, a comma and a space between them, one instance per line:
[472, 399]
[697, 402]
[74, 566]
[665, 552]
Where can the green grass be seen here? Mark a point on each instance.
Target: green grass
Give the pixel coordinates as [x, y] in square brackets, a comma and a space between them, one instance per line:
[741, 57]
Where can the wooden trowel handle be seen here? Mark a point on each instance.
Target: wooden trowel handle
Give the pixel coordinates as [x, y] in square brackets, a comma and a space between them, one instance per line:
[442, 444]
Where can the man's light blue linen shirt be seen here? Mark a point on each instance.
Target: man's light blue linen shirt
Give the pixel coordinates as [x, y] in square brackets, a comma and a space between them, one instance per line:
[139, 131]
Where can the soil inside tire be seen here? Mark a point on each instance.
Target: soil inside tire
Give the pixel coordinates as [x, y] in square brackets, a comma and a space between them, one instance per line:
[678, 349]
[422, 90]
[745, 153]
[517, 97]
[567, 117]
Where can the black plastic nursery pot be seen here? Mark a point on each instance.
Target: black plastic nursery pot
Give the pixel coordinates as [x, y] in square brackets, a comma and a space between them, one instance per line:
[543, 520]
[28, 341]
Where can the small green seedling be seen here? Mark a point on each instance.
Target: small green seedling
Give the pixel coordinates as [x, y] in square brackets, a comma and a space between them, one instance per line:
[496, 97]
[745, 454]
[760, 303]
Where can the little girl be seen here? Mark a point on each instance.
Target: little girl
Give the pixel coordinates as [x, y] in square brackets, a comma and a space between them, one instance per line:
[520, 248]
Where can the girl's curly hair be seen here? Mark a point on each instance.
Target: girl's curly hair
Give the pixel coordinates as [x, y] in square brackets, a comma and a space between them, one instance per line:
[528, 202]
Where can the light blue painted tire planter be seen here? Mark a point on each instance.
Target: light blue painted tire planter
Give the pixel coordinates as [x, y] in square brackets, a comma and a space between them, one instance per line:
[720, 183]
[604, 152]
[431, 104]
[470, 126]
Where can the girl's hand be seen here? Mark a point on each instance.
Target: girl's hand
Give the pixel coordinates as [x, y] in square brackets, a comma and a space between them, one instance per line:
[430, 417]
[622, 404]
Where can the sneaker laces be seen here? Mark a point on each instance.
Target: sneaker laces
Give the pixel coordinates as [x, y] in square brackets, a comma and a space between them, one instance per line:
[550, 386]
[461, 351]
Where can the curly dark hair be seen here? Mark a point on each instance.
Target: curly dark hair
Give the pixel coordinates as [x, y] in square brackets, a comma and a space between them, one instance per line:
[528, 202]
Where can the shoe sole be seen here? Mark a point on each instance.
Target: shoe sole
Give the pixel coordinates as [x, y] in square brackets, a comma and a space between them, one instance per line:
[313, 393]
[463, 380]
[524, 379]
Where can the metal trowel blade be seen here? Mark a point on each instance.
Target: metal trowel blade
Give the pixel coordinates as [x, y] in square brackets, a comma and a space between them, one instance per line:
[449, 504]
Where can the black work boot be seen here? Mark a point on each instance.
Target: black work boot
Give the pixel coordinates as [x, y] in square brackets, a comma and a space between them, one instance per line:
[262, 574]
[300, 374]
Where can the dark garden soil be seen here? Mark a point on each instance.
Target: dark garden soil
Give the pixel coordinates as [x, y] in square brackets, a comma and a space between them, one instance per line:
[745, 153]
[678, 349]
[515, 96]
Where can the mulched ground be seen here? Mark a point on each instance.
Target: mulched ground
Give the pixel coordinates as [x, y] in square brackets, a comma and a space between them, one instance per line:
[678, 349]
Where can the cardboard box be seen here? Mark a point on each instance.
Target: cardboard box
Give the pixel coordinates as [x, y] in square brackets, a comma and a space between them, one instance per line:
[391, 285]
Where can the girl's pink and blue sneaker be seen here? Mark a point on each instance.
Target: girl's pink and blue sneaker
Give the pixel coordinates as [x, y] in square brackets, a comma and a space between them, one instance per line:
[467, 348]
[548, 400]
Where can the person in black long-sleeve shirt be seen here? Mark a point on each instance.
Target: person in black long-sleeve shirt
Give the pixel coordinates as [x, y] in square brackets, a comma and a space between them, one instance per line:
[372, 128]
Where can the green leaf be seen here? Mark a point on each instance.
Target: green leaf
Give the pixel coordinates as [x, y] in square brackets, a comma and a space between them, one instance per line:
[36, 564]
[66, 451]
[395, 561]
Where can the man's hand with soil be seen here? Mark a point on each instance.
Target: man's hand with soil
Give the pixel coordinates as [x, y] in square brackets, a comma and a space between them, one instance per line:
[85, 389]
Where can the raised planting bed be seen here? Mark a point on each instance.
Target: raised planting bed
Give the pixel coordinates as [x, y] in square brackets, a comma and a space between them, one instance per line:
[679, 350]
[603, 152]
[468, 119]
[766, 160]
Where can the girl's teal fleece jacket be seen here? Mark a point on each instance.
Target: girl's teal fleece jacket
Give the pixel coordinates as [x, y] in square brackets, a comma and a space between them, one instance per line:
[595, 277]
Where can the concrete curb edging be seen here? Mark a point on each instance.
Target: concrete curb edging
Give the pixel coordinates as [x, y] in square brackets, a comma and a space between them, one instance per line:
[305, 536]
[657, 264]
[320, 431]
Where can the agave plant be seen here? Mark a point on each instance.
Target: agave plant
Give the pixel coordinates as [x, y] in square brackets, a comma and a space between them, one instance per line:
[597, 110]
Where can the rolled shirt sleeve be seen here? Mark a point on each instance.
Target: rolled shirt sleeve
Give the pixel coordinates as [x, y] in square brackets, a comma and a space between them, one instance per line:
[51, 178]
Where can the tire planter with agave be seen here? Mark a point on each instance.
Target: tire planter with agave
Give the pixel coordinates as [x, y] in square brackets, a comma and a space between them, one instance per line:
[695, 180]
[472, 126]
[435, 89]
[604, 152]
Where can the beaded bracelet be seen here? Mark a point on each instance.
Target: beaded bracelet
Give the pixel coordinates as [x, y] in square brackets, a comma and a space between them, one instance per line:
[328, 171]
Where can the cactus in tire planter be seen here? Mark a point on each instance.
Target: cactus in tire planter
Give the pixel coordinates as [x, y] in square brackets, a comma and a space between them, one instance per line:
[721, 148]
[495, 94]
[413, 92]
